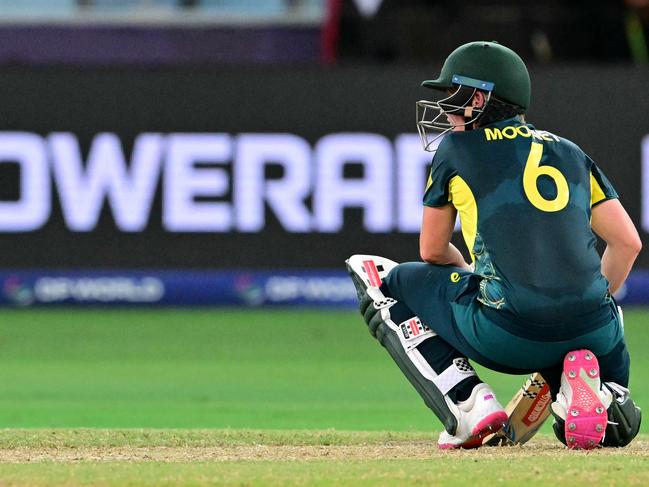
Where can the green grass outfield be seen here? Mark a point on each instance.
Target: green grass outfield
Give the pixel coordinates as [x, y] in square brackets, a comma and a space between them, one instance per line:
[262, 369]
[226, 371]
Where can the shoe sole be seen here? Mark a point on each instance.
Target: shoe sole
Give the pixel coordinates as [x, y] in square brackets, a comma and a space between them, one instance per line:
[489, 425]
[586, 417]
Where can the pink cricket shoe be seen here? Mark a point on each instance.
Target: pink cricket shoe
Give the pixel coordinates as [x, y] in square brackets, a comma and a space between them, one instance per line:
[479, 416]
[585, 413]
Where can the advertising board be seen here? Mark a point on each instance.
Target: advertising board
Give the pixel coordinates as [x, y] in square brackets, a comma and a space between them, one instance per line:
[255, 169]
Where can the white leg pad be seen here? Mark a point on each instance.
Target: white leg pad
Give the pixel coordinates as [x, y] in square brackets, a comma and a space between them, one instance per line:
[401, 340]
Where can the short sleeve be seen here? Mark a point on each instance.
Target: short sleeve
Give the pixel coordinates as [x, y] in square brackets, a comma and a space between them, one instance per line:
[437, 193]
[601, 188]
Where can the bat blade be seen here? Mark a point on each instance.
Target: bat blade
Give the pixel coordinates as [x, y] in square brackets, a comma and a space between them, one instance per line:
[527, 411]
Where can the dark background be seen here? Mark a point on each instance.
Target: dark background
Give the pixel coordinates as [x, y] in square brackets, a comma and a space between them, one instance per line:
[604, 109]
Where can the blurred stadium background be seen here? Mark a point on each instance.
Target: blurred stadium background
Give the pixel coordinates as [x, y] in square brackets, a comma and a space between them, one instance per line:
[181, 181]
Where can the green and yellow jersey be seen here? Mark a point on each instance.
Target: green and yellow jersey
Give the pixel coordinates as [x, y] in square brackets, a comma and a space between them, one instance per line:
[524, 197]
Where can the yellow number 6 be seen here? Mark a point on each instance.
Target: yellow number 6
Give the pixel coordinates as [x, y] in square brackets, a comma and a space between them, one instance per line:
[533, 171]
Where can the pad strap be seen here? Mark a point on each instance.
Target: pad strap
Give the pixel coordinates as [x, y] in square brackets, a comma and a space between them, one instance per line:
[453, 375]
[412, 332]
[379, 299]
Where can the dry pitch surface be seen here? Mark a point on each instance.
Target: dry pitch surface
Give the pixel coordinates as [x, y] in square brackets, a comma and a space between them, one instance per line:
[239, 457]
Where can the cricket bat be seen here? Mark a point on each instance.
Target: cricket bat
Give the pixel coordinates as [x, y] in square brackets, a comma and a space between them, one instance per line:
[527, 411]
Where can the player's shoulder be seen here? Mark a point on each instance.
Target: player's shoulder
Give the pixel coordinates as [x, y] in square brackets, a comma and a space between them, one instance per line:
[569, 144]
[571, 149]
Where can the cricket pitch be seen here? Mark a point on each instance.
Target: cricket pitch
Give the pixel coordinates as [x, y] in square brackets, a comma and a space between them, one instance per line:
[103, 457]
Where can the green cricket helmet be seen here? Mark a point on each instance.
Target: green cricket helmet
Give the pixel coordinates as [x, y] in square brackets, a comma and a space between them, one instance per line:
[489, 67]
